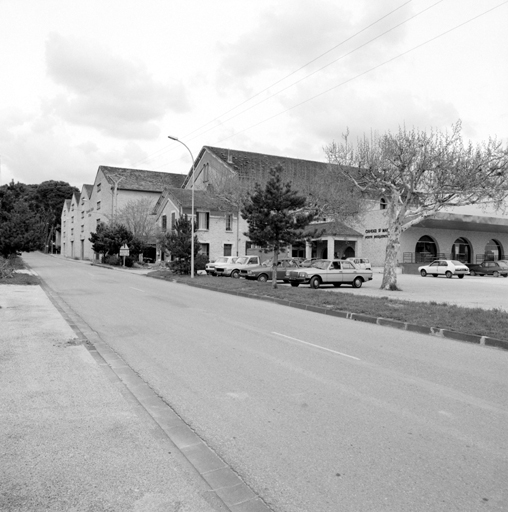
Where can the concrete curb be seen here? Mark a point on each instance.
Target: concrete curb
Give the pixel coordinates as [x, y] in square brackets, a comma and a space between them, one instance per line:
[385, 322]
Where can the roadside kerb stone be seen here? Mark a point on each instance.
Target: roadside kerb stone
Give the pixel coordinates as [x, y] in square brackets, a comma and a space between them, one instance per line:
[384, 322]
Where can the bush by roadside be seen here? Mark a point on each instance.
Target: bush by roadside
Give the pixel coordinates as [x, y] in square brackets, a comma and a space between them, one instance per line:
[481, 322]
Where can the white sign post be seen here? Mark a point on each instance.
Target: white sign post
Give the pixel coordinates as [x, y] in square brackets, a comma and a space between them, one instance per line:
[124, 251]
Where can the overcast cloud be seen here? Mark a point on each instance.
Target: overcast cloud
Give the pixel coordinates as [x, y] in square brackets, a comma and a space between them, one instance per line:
[104, 83]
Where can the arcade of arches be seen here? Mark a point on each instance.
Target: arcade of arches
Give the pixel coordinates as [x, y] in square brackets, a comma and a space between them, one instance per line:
[427, 250]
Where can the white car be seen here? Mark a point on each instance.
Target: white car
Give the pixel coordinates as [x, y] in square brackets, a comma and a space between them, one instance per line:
[448, 268]
[361, 262]
[210, 267]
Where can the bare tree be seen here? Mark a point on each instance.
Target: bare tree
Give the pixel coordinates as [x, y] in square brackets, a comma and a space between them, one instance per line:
[329, 194]
[137, 216]
[420, 173]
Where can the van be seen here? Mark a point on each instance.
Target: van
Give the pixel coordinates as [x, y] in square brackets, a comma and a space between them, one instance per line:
[361, 262]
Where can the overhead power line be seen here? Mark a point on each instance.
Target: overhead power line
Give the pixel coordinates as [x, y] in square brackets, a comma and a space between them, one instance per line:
[365, 72]
[216, 118]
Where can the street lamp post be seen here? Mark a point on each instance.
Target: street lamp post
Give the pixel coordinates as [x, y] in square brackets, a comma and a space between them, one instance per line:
[192, 203]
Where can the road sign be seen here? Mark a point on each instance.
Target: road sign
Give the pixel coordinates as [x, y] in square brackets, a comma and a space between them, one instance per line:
[124, 250]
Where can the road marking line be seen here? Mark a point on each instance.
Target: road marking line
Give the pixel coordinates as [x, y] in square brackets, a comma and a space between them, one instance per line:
[317, 346]
[137, 289]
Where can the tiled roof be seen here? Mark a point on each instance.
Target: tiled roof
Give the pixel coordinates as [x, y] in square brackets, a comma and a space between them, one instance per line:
[201, 199]
[137, 179]
[334, 228]
[88, 190]
[246, 162]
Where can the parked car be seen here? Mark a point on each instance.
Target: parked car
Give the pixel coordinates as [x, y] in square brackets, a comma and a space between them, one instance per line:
[264, 272]
[233, 269]
[210, 267]
[448, 268]
[361, 262]
[489, 268]
[334, 272]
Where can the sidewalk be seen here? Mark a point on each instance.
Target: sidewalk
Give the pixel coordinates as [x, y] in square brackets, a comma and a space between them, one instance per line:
[73, 438]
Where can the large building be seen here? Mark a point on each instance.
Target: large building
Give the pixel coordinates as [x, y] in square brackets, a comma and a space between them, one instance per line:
[467, 234]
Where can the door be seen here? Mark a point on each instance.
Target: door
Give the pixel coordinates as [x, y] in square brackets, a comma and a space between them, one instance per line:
[349, 272]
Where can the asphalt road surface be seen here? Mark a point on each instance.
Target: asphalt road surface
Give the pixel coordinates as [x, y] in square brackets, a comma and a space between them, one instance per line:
[315, 413]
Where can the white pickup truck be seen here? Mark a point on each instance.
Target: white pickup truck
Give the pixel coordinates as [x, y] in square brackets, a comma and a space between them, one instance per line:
[233, 269]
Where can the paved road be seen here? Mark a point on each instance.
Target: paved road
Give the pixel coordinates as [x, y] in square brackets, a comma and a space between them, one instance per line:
[315, 413]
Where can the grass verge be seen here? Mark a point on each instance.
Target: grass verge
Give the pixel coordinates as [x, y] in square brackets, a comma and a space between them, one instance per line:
[10, 272]
[481, 322]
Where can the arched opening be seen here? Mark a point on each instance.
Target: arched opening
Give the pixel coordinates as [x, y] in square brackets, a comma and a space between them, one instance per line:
[425, 250]
[461, 251]
[493, 251]
[349, 252]
[382, 204]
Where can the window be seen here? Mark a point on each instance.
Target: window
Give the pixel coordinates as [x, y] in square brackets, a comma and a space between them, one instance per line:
[228, 249]
[72, 219]
[98, 205]
[493, 250]
[72, 231]
[461, 250]
[229, 222]
[82, 215]
[425, 250]
[98, 187]
[203, 220]
[206, 176]
[173, 220]
[382, 204]
[205, 249]
[164, 223]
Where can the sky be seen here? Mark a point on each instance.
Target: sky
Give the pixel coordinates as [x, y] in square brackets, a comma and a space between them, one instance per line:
[86, 83]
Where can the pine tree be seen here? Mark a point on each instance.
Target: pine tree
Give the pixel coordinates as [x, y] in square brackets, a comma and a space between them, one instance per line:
[178, 243]
[276, 216]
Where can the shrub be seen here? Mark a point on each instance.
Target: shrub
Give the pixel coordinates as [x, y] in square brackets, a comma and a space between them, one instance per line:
[112, 260]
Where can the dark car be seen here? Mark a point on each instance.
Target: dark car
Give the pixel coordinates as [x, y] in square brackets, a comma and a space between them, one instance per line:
[264, 271]
[489, 268]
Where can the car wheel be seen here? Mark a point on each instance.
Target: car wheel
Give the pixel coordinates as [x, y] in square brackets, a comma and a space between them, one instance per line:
[262, 278]
[448, 274]
[295, 285]
[461, 276]
[423, 273]
[337, 285]
[357, 283]
[496, 274]
[235, 274]
[315, 282]
[472, 273]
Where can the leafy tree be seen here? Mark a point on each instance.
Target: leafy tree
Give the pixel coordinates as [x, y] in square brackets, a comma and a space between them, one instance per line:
[19, 222]
[178, 243]
[419, 174]
[108, 239]
[19, 230]
[48, 199]
[276, 216]
[37, 221]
